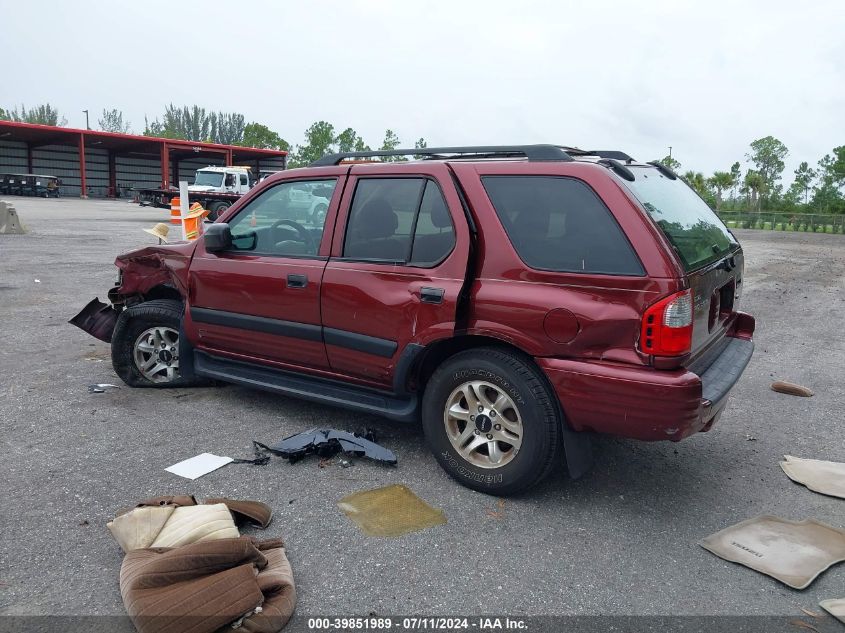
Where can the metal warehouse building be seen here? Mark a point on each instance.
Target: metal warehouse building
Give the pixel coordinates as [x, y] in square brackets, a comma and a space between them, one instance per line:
[104, 164]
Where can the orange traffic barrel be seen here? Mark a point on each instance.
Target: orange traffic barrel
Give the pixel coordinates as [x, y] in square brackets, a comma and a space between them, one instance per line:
[175, 211]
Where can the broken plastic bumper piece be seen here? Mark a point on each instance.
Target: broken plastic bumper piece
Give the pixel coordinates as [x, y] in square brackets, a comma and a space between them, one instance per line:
[97, 318]
[329, 442]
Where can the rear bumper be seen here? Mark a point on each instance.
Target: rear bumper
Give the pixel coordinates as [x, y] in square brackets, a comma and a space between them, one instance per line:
[645, 403]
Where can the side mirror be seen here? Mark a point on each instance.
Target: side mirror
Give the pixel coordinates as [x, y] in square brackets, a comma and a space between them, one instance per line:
[217, 237]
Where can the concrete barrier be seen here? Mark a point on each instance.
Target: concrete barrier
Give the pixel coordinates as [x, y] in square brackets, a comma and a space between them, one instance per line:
[10, 224]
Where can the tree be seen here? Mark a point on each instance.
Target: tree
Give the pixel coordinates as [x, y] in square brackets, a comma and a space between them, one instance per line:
[348, 141]
[767, 154]
[319, 141]
[720, 181]
[112, 121]
[736, 176]
[391, 142]
[696, 180]
[261, 136]
[44, 114]
[420, 144]
[804, 177]
[671, 163]
[227, 128]
[754, 187]
[4, 116]
[827, 197]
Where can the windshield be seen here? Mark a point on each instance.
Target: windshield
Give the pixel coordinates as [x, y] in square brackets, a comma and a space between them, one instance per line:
[209, 179]
[696, 232]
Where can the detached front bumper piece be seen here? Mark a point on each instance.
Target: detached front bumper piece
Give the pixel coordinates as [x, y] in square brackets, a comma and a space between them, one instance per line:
[97, 318]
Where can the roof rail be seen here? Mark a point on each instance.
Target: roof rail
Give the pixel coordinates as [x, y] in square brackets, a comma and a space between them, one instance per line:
[613, 154]
[531, 152]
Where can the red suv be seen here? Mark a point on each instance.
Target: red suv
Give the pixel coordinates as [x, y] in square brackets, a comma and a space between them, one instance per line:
[512, 298]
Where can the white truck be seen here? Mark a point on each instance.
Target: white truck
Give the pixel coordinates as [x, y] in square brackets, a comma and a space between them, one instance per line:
[216, 188]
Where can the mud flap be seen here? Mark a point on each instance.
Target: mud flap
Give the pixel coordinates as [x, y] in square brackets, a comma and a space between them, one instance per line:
[97, 319]
[578, 450]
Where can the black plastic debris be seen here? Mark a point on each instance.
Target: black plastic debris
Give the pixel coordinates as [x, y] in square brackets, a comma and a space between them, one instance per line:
[97, 318]
[327, 443]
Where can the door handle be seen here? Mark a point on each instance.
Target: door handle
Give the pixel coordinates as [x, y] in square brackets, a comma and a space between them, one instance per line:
[297, 281]
[432, 295]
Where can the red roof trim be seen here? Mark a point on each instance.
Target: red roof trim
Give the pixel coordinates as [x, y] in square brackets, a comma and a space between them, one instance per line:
[137, 138]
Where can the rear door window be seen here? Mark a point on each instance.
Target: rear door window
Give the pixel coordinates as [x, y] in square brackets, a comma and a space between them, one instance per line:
[560, 224]
[694, 230]
[399, 220]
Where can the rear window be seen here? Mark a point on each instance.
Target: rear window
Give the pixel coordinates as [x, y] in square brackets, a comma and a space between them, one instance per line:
[696, 232]
[560, 224]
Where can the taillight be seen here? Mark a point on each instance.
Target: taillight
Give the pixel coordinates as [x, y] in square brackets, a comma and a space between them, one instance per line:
[667, 326]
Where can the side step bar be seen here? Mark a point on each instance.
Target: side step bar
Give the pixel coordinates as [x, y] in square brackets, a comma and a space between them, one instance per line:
[401, 409]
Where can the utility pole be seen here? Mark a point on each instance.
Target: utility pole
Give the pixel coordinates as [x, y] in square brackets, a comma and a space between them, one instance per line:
[670, 151]
[87, 127]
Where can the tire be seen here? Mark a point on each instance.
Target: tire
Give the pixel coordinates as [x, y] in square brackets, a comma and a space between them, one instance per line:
[526, 439]
[140, 329]
[216, 209]
[319, 214]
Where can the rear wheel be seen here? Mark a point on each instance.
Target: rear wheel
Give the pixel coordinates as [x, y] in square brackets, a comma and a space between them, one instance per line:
[145, 345]
[319, 214]
[492, 421]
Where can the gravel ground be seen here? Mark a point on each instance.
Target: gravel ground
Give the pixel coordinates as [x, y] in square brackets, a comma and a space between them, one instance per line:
[620, 541]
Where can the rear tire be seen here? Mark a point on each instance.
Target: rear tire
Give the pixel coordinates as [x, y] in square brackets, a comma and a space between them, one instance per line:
[491, 421]
[145, 345]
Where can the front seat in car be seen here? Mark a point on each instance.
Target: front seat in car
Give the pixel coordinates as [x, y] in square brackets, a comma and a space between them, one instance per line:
[375, 232]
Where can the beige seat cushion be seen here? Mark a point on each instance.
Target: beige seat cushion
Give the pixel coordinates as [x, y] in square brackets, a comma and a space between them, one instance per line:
[139, 527]
[192, 524]
[836, 608]
[794, 552]
[827, 478]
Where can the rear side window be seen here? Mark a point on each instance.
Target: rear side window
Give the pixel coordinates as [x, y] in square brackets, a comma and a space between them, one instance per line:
[399, 220]
[695, 231]
[560, 224]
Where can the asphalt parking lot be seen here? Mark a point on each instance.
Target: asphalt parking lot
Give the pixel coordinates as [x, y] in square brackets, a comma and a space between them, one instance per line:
[620, 541]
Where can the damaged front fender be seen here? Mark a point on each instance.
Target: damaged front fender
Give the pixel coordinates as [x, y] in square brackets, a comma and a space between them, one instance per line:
[145, 268]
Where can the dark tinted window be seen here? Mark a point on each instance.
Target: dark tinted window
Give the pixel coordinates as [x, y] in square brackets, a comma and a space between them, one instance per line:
[696, 232]
[388, 212]
[560, 224]
[434, 237]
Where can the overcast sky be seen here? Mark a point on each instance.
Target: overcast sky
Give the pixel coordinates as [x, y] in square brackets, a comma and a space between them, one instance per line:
[704, 77]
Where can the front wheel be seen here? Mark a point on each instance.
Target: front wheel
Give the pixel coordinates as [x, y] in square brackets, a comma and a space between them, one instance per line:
[491, 421]
[145, 345]
[216, 209]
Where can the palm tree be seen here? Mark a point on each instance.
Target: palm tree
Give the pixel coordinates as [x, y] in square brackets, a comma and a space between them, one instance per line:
[720, 181]
[755, 184]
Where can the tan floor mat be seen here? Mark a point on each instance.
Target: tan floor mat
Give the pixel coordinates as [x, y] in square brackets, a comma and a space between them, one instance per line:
[390, 511]
[794, 552]
[828, 478]
[836, 608]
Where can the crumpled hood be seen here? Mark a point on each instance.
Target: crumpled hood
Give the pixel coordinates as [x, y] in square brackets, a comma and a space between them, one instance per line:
[151, 266]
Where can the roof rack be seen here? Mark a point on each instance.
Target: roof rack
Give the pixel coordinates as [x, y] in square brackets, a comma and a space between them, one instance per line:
[601, 153]
[531, 152]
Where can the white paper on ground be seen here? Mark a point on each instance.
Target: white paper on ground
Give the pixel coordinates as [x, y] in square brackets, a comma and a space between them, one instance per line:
[198, 466]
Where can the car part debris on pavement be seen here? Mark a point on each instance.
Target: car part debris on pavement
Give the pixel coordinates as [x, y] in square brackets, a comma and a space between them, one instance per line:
[793, 552]
[827, 478]
[101, 387]
[792, 389]
[390, 511]
[166, 575]
[328, 443]
[835, 607]
[202, 464]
